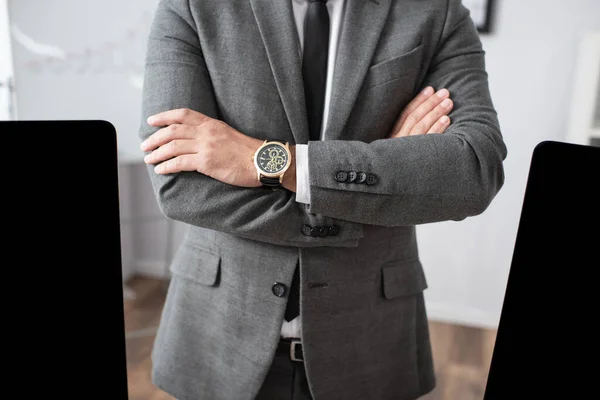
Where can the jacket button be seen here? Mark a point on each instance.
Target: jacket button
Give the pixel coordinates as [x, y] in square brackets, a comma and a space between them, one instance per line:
[323, 231]
[334, 230]
[351, 176]
[279, 289]
[307, 230]
[341, 176]
[371, 179]
[361, 177]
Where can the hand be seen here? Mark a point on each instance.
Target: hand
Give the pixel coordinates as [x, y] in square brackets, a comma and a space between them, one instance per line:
[427, 113]
[191, 141]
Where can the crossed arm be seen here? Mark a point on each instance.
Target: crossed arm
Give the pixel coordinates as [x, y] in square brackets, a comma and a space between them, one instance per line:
[202, 175]
[188, 140]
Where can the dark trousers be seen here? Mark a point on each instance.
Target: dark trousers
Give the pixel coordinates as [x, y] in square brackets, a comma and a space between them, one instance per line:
[286, 380]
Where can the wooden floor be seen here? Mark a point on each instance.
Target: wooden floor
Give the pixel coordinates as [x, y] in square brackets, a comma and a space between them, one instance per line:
[462, 354]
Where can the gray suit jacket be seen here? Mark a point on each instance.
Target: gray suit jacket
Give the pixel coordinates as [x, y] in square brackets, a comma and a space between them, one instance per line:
[364, 322]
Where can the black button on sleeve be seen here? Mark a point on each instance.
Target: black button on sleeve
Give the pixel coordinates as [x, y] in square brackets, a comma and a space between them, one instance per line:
[307, 230]
[351, 176]
[279, 289]
[371, 179]
[341, 176]
[323, 231]
[334, 230]
[361, 177]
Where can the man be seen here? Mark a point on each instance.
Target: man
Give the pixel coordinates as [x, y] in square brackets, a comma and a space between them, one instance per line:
[324, 212]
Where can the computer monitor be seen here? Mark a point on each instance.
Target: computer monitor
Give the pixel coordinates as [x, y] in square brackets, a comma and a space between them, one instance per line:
[63, 324]
[547, 344]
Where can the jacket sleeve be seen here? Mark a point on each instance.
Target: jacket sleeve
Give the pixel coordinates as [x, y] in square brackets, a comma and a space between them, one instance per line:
[176, 76]
[425, 178]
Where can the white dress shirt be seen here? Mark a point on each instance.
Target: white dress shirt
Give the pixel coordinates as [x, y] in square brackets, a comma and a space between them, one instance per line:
[336, 11]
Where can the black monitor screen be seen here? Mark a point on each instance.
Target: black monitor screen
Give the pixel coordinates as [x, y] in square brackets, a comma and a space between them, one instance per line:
[62, 259]
[547, 343]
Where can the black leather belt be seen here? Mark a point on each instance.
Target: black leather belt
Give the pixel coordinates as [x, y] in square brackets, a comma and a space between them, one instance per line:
[291, 348]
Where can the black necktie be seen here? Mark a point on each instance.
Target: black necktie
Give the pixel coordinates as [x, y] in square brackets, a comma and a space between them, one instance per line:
[293, 305]
[314, 74]
[314, 63]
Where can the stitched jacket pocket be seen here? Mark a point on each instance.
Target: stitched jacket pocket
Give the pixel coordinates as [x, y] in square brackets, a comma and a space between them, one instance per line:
[196, 264]
[403, 278]
[394, 68]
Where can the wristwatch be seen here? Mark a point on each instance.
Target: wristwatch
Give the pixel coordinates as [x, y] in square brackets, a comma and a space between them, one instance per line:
[271, 160]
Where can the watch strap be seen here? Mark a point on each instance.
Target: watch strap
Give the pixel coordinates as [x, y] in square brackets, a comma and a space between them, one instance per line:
[278, 140]
[269, 181]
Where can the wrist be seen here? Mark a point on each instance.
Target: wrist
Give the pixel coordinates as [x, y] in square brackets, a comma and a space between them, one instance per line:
[251, 168]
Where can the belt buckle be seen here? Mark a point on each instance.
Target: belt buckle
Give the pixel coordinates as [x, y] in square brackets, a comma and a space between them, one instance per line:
[293, 350]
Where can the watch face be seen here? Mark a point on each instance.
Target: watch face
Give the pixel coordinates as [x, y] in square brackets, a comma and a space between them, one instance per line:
[272, 158]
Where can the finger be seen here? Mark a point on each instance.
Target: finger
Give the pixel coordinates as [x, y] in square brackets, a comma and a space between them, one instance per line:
[167, 134]
[178, 116]
[416, 102]
[178, 164]
[172, 149]
[432, 117]
[441, 125]
[422, 110]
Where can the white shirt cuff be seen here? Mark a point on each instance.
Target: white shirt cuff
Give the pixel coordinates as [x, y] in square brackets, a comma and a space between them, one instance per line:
[302, 184]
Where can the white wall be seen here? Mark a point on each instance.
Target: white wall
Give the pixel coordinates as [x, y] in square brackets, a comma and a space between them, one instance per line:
[126, 211]
[79, 59]
[531, 62]
[155, 238]
[6, 67]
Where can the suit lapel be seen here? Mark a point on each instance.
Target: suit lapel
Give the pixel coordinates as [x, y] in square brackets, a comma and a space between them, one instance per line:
[361, 29]
[277, 27]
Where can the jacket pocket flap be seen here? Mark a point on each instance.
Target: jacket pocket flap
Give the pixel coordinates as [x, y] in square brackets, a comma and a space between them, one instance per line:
[404, 278]
[394, 68]
[196, 264]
